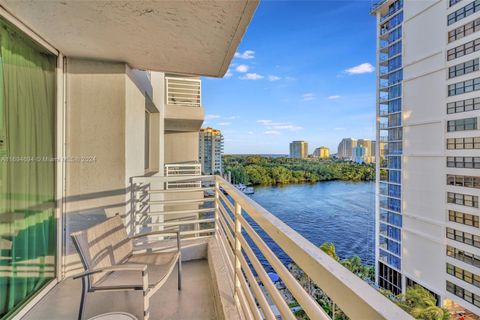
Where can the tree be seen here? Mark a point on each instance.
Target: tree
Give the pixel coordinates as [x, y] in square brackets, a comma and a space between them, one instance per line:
[329, 248]
[421, 304]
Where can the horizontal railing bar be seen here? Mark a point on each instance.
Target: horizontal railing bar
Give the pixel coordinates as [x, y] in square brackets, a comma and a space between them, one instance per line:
[259, 294]
[227, 231]
[227, 217]
[143, 179]
[227, 202]
[309, 305]
[160, 213]
[251, 300]
[180, 190]
[186, 201]
[354, 296]
[244, 303]
[178, 223]
[227, 249]
[267, 282]
[189, 232]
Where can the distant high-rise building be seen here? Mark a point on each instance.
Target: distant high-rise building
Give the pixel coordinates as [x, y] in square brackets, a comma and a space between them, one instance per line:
[359, 154]
[369, 145]
[210, 150]
[298, 149]
[322, 153]
[345, 148]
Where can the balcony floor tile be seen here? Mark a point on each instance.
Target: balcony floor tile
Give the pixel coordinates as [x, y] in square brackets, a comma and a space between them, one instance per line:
[194, 301]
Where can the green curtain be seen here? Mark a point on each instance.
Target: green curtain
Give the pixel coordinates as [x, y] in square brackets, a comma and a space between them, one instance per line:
[27, 168]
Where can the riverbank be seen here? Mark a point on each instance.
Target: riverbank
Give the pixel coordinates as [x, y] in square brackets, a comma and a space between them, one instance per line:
[258, 170]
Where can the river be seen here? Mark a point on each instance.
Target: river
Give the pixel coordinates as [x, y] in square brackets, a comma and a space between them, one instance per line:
[339, 212]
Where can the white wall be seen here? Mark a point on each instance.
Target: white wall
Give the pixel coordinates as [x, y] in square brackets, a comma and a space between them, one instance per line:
[423, 162]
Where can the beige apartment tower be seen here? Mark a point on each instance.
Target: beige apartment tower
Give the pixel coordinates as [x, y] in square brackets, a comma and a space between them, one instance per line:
[211, 150]
[321, 153]
[299, 149]
[428, 102]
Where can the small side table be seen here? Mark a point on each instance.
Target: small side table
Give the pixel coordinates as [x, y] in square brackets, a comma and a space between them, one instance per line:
[114, 316]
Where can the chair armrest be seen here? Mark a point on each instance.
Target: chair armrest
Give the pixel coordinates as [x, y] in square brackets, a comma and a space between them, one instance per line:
[121, 267]
[153, 233]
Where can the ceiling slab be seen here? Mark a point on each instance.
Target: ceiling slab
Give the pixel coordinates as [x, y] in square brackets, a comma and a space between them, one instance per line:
[187, 37]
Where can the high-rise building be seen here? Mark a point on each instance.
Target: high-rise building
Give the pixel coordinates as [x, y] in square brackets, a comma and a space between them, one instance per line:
[359, 153]
[427, 115]
[322, 153]
[298, 149]
[345, 148]
[210, 150]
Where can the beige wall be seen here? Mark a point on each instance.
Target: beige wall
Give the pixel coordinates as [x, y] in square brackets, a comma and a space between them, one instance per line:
[105, 105]
[181, 146]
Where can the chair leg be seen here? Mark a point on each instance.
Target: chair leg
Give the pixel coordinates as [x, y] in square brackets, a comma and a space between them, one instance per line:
[179, 274]
[83, 299]
[146, 305]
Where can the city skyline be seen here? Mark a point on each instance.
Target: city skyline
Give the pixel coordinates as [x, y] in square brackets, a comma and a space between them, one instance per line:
[277, 92]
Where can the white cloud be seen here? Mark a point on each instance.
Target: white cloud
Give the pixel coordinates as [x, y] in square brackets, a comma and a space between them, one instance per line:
[229, 74]
[361, 68]
[224, 123]
[232, 117]
[273, 78]
[264, 122]
[290, 127]
[271, 132]
[242, 68]
[246, 55]
[339, 129]
[252, 76]
[275, 126]
[250, 132]
[334, 97]
[308, 96]
[212, 116]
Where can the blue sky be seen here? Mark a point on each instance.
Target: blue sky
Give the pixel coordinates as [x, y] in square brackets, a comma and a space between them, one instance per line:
[303, 71]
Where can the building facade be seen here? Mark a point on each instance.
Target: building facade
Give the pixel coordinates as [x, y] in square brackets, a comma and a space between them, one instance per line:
[347, 145]
[359, 154]
[299, 149]
[211, 151]
[322, 153]
[427, 113]
[345, 148]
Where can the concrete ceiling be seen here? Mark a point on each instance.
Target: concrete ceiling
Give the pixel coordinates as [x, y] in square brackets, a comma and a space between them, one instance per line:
[188, 37]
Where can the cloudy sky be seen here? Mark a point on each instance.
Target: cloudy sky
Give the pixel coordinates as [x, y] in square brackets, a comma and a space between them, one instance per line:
[304, 71]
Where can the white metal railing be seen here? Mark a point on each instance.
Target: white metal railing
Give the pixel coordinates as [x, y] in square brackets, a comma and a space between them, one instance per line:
[183, 169]
[183, 91]
[239, 224]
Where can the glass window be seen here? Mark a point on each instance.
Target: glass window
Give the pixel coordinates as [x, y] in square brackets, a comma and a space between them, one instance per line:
[463, 162]
[27, 168]
[463, 50]
[463, 12]
[463, 68]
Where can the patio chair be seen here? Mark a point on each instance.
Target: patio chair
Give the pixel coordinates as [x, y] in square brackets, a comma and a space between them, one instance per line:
[111, 263]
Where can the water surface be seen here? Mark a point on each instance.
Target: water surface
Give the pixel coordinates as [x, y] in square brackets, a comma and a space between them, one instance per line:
[335, 211]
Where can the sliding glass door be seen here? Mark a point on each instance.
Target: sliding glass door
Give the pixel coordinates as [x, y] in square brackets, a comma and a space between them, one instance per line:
[27, 168]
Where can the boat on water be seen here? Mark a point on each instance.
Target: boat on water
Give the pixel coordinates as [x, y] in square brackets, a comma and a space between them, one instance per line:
[245, 189]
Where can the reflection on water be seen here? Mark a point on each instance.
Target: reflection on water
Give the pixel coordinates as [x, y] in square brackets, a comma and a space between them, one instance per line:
[337, 211]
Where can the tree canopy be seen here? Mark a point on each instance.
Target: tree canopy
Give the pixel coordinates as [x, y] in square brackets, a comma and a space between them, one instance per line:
[258, 170]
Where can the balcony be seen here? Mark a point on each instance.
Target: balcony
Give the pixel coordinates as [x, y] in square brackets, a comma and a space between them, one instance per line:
[183, 104]
[226, 264]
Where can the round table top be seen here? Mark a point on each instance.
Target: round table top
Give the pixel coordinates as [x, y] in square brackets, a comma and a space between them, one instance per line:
[114, 316]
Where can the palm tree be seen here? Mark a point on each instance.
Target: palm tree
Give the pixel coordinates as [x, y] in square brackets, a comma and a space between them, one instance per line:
[329, 248]
[421, 304]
